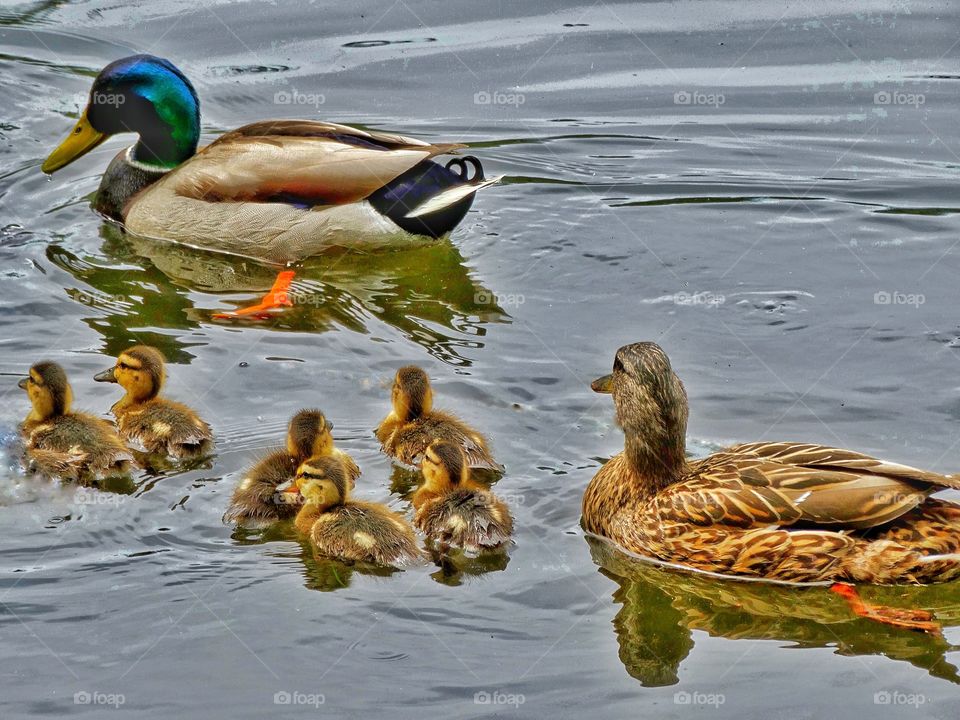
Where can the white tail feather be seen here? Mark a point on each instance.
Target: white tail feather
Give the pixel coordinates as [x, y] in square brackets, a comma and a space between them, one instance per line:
[940, 558]
[449, 197]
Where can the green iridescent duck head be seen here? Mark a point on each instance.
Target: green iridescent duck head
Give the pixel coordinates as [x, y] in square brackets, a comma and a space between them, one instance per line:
[143, 94]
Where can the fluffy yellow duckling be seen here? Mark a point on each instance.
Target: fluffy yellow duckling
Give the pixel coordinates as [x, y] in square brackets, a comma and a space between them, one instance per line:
[346, 530]
[63, 443]
[452, 509]
[413, 424]
[256, 501]
[143, 417]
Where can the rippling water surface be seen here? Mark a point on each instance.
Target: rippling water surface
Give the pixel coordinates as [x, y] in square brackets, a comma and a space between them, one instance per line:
[770, 192]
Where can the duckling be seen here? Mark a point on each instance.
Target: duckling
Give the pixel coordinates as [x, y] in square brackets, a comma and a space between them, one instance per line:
[413, 424]
[256, 501]
[344, 529]
[63, 443]
[454, 510]
[143, 417]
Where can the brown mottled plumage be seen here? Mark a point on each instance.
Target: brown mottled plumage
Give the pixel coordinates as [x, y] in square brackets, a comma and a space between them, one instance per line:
[255, 500]
[452, 509]
[62, 443]
[781, 510]
[346, 530]
[144, 418]
[413, 424]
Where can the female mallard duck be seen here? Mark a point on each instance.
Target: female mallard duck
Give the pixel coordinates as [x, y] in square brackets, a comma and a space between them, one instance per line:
[344, 529]
[63, 443]
[452, 509]
[413, 424]
[256, 501]
[279, 190]
[776, 510]
[143, 417]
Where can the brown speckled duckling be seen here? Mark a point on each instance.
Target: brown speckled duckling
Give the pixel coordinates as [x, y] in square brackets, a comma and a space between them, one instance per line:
[144, 418]
[63, 443]
[345, 529]
[255, 500]
[413, 424]
[452, 509]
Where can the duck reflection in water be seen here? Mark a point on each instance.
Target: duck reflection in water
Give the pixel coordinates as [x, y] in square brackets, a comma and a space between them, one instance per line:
[661, 607]
[424, 291]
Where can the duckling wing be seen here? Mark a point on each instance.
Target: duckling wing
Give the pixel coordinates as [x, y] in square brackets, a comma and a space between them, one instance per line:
[255, 498]
[410, 442]
[165, 426]
[74, 443]
[822, 456]
[744, 491]
[315, 162]
[466, 518]
[365, 532]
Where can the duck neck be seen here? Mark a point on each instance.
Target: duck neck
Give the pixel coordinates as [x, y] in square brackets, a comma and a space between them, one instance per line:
[307, 517]
[170, 138]
[656, 462]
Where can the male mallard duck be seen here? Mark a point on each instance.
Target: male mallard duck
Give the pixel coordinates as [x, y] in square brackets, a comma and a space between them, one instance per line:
[344, 529]
[255, 500]
[61, 442]
[413, 424]
[278, 190]
[776, 510]
[146, 419]
[452, 509]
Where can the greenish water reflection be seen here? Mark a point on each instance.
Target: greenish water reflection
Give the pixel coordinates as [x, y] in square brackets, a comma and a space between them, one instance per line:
[660, 608]
[423, 291]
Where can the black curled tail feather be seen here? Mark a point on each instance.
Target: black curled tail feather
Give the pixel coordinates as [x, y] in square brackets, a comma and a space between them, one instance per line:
[461, 163]
[426, 180]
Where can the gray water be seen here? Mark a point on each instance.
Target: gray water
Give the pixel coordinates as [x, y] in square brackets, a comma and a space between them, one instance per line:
[768, 191]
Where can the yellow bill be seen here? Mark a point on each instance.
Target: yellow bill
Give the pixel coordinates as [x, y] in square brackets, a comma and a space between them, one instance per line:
[81, 140]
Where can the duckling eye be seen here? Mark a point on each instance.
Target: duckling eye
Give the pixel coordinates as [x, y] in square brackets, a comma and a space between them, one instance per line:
[617, 365]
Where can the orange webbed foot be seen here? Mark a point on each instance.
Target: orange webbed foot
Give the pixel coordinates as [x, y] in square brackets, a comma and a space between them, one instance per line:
[277, 297]
[906, 618]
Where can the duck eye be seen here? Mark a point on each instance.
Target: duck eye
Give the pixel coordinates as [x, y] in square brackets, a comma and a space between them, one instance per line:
[617, 365]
